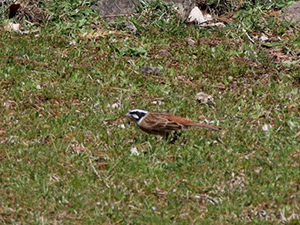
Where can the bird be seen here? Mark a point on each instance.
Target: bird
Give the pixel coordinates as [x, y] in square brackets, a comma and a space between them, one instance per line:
[162, 123]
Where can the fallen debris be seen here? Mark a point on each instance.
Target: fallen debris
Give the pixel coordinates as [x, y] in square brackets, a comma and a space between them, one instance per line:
[13, 27]
[218, 24]
[134, 151]
[13, 8]
[204, 197]
[266, 128]
[149, 70]
[203, 98]
[114, 105]
[197, 17]
[191, 42]
[31, 12]
[16, 27]
[264, 37]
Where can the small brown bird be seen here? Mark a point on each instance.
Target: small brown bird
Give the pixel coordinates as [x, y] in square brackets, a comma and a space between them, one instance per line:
[162, 123]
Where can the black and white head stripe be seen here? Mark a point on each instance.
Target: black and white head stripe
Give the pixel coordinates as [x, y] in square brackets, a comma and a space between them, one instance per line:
[137, 114]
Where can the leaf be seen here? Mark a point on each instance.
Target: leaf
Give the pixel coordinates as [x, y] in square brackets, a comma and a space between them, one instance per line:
[277, 45]
[135, 51]
[13, 8]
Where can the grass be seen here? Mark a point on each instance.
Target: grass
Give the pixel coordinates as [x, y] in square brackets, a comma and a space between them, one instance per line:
[66, 159]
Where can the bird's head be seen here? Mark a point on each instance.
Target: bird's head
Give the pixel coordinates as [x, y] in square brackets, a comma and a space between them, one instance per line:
[136, 114]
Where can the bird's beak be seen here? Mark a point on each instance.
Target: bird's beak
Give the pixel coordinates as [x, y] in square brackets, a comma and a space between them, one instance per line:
[127, 115]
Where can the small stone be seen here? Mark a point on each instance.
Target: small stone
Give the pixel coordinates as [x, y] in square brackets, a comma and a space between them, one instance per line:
[264, 38]
[266, 128]
[156, 102]
[154, 208]
[114, 105]
[257, 170]
[191, 42]
[134, 151]
[149, 70]
[292, 13]
[122, 126]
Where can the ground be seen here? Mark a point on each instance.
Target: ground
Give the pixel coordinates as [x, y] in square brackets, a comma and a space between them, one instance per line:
[68, 156]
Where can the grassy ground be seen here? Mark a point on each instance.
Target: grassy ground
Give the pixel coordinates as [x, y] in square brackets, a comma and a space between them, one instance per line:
[65, 157]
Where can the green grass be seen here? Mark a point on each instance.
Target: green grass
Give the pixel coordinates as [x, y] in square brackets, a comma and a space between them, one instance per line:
[65, 159]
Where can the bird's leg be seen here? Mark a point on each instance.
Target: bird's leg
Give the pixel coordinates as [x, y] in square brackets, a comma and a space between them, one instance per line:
[169, 138]
[172, 139]
[166, 136]
[175, 137]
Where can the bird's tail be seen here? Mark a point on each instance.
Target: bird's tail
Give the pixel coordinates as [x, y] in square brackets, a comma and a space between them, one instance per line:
[203, 125]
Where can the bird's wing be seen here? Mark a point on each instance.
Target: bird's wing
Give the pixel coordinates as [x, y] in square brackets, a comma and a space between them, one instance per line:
[168, 122]
[162, 122]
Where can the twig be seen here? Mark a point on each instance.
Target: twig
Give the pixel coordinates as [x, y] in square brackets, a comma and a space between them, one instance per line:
[207, 197]
[95, 171]
[248, 36]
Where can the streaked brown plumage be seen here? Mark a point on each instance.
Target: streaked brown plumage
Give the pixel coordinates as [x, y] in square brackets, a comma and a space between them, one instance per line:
[162, 123]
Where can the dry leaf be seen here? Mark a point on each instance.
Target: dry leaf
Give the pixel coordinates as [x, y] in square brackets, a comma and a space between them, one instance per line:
[13, 27]
[13, 8]
[196, 16]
